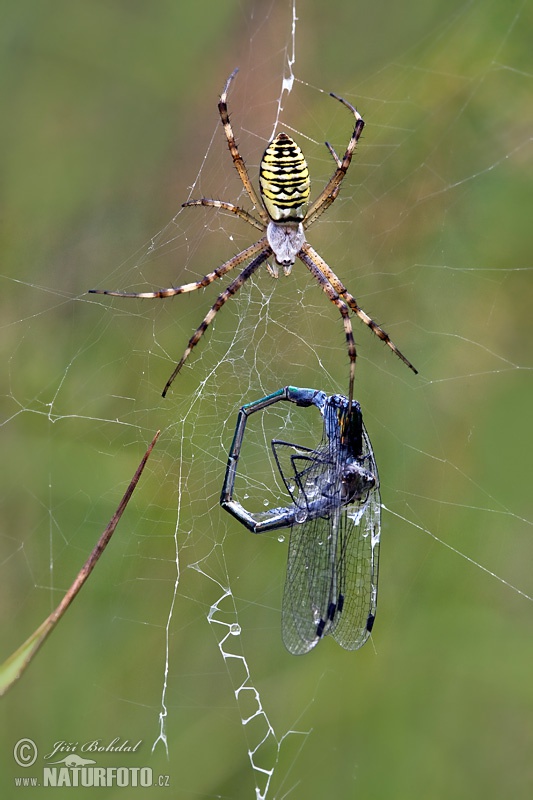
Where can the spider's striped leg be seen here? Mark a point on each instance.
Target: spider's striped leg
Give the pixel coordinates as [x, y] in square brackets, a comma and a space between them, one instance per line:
[375, 328]
[240, 212]
[219, 272]
[223, 297]
[234, 150]
[307, 258]
[353, 304]
[331, 190]
[334, 155]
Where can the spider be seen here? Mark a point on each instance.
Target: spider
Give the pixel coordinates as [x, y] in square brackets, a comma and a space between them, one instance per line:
[334, 518]
[283, 216]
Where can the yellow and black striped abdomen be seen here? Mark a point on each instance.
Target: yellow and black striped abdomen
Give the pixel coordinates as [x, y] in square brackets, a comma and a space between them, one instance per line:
[284, 180]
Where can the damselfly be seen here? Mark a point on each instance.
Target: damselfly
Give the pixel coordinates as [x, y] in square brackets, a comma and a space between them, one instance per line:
[334, 517]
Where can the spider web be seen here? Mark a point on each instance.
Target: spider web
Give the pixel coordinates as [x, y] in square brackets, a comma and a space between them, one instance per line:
[176, 639]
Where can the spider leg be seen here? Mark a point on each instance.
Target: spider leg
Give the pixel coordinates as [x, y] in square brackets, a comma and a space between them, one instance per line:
[306, 256]
[240, 212]
[219, 272]
[331, 190]
[352, 302]
[334, 155]
[223, 297]
[234, 150]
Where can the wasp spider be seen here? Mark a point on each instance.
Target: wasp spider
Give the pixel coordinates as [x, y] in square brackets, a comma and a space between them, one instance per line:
[283, 215]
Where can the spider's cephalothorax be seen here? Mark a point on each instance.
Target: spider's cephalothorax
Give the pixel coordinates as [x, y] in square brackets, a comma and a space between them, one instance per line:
[282, 215]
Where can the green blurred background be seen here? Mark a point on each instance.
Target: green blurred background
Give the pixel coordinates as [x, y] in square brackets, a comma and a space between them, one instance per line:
[109, 118]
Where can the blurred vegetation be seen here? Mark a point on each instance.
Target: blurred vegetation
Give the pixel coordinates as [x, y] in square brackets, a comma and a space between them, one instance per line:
[109, 118]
